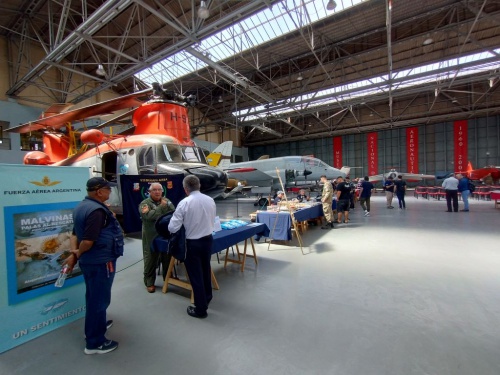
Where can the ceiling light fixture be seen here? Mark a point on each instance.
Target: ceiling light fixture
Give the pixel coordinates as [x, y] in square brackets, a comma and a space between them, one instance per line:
[428, 41]
[220, 99]
[331, 5]
[203, 11]
[100, 71]
[300, 78]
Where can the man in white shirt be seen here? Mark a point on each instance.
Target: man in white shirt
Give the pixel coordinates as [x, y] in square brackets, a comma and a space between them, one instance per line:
[197, 213]
[450, 186]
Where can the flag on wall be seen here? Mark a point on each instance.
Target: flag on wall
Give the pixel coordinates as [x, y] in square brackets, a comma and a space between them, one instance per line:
[372, 144]
[460, 138]
[337, 152]
[412, 149]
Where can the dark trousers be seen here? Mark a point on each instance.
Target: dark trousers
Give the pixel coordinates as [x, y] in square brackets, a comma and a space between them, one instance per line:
[197, 264]
[365, 203]
[452, 195]
[98, 282]
[401, 199]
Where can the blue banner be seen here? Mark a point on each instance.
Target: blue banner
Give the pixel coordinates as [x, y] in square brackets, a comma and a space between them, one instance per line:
[135, 190]
[36, 217]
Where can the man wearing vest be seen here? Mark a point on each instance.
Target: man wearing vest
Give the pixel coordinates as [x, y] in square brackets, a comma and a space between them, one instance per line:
[96, 243]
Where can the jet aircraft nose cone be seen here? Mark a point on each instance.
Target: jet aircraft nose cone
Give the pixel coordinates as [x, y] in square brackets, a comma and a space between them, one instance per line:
[213, 181]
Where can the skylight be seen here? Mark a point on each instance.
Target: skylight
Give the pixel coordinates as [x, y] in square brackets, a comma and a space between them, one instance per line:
[436, 72]
[269, 24]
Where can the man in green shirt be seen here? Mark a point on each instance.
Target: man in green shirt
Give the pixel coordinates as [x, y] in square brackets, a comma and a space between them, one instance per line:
[150, 210]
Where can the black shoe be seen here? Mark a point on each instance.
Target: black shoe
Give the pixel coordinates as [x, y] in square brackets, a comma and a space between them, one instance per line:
[328, 225]
[449, 211]
[192, 312]
[464, 210]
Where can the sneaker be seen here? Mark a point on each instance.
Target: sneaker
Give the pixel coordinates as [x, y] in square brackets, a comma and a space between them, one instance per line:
[109, 324]
[367, 213]
[390, 207]
[107, 347]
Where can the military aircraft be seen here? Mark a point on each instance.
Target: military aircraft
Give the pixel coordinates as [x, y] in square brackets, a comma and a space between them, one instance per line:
[482, 173]
[410, 177]
[159, 142]
[294, 170]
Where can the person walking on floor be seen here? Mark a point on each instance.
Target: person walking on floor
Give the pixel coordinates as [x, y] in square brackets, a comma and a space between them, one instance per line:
[400, 190]
[96, 243]
[365, 193]
[450, 186]
[343, 200]
[463, 189]
[326, 200]
[389, 191]
[197, 213]
[150, 210]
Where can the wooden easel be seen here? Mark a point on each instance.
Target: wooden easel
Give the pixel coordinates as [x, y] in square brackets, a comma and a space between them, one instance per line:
[185, 284]
[292, 216]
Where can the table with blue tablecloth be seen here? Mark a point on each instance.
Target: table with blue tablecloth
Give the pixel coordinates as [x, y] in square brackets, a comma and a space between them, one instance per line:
[281, 228]
[223, 239]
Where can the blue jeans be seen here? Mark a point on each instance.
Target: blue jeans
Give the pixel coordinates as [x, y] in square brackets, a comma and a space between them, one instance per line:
[401, 199]
[465, 198]
[98, 282]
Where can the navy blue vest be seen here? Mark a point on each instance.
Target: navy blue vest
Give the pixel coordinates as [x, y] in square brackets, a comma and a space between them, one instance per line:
[109, 245]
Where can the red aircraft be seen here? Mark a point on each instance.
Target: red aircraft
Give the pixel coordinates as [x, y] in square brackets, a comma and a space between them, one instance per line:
[482, 173]
[158, 143]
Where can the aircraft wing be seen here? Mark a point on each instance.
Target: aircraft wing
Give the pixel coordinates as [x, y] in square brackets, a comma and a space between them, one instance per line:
[60, 120]
[376, 178]
[251, 175]
[413, 177]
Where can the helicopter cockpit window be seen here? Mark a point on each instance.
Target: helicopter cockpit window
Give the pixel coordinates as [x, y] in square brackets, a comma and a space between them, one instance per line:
[146, 156]
[193, 154]
[169, 153]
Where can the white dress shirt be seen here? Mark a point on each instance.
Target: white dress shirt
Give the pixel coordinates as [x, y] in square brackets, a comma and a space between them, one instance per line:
[197, 213]
[451, 183]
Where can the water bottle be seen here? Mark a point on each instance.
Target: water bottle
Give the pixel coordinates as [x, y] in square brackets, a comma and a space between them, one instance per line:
[62, 276]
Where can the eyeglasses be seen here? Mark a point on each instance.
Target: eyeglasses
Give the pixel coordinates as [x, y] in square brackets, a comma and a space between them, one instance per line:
[156, 190]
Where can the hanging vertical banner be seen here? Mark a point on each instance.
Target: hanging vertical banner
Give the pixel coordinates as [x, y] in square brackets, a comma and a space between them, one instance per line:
[460, 137]
[36, 221]
[372, 144]
[337, 152]
[412, 149]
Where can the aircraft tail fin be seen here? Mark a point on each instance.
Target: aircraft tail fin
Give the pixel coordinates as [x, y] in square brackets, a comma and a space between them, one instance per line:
[221, 156]
[469, 167]
[346, 170]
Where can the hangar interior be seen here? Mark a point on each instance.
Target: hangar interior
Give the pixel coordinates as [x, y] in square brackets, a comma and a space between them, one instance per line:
[401, 292]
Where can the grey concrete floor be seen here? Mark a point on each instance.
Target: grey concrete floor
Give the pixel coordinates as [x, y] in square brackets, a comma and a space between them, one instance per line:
[400, 292]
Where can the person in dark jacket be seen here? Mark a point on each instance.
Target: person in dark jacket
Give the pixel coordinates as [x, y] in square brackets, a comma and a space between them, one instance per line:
[400, 190]
[463, 189]
[96, 243]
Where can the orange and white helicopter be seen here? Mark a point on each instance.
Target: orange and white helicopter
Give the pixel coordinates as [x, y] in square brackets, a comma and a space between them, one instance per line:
[160, 141]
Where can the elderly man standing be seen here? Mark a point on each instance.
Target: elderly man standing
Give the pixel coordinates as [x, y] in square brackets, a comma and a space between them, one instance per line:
[450, 186]
[96, 243]
[150, 210]
[197, 213]
[326, 199]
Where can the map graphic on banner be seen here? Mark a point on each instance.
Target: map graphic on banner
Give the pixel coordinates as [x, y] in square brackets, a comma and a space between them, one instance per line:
[36, 217]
